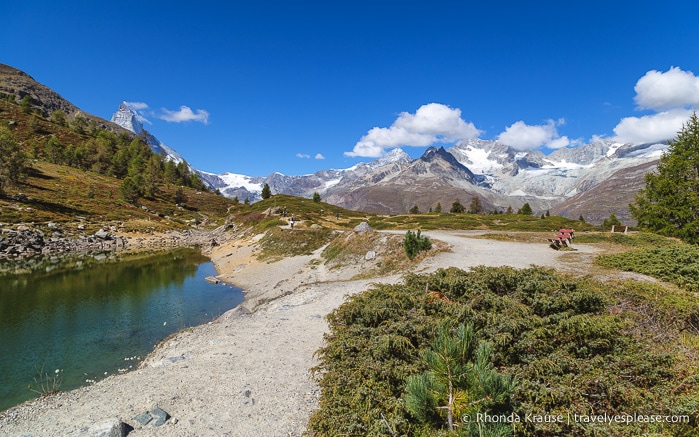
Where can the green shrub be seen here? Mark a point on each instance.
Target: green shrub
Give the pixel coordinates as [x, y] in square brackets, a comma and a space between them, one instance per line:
[678, 264]
[573, 346]
[415, 243]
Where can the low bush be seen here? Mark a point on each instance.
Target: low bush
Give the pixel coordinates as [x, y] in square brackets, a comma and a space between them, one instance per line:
[677, 263]
[572, 346]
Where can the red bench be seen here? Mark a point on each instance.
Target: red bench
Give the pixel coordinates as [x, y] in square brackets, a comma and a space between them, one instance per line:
[564, 238]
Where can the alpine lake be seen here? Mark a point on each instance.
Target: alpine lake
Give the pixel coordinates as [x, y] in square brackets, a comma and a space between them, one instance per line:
[72, 320]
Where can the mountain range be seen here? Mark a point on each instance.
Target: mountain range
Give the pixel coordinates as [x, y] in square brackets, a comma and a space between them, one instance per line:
[592, 180]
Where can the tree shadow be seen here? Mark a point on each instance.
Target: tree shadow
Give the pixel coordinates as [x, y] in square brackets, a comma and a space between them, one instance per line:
[58, 208]
[36, 173]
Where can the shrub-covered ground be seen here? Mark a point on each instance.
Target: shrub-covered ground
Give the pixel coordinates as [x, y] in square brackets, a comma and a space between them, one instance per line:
[579, 352]
[677, 263]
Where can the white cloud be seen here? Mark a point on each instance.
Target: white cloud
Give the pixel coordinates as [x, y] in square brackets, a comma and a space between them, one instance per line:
[674, 88]
[673, 94]
[651, 128]
[560, 142]
[137, 106]
[184, 114]
[303, 155]
[430, 124]
[521, 136]
[319, 156]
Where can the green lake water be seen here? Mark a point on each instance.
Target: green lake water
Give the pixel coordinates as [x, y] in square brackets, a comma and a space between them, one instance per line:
[87, 316]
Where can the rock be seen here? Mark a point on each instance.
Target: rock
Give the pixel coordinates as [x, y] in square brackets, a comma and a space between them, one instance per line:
[107, 428]
[370, 255]
[104, 235]
[155, 417]
[159, 416]
[316, 226]
[143, 418]
[363, 227]
[212, 280]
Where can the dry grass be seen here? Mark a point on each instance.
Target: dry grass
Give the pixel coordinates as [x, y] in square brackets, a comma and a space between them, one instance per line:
[352, 248]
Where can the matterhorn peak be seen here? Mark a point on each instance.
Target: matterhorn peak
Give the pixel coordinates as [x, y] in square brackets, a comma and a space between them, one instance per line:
[127, 118]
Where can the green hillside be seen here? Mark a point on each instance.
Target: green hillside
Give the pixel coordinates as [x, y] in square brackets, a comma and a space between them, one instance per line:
[77, 171]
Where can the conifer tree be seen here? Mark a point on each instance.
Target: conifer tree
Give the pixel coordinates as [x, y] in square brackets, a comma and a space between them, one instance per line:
[525, 209]
[266, 192]
[170, 172]
[13, 160]
[669, 203]
[460, 381]
[54, 150]
[414, 243]
[58, 117]
[180, 196]
[152, 175]
[611, 221]
[130, 189]
[457, 208]
[26, 104]
[476, 207]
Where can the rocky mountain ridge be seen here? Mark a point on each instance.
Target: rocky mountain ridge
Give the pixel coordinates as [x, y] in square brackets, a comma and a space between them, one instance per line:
[43, 99]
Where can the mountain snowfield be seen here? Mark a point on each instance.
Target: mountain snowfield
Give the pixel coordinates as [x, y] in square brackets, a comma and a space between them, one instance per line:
[498, 174]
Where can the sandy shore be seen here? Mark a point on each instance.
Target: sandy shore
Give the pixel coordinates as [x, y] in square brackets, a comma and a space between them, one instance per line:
[247, 373]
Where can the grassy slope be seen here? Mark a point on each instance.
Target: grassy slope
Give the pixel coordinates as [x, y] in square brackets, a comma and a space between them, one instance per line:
[62, 194]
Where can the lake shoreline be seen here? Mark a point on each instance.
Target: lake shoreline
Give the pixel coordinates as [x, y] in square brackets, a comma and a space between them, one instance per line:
[28, 240]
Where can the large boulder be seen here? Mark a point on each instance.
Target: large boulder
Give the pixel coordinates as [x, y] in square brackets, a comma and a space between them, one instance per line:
[363, 227]
[103, 235]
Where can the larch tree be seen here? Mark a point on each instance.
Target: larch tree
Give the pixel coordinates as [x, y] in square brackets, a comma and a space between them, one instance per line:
[669, 203]
[13, 160]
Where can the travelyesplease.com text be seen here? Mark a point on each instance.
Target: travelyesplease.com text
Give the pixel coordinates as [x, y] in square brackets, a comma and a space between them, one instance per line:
[575, 418]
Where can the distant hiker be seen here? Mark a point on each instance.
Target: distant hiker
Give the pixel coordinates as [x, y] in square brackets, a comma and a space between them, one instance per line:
[291, 222]
[284, 213]
[337, 216]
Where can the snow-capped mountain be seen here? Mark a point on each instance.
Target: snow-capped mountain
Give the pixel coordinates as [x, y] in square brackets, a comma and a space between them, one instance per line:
[498, 175]
[128, 118]
[548, 180]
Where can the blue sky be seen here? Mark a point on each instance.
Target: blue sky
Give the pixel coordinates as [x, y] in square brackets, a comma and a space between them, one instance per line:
[296, 87]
